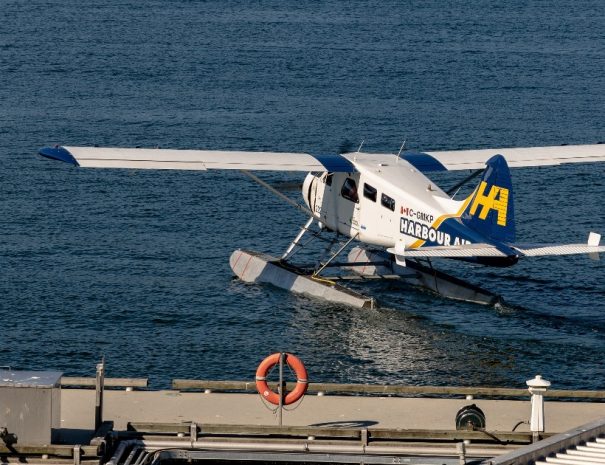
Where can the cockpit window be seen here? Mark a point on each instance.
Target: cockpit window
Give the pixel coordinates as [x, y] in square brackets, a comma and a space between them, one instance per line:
[349, 190]
[369, 192]
[328, 179]
[387, 202]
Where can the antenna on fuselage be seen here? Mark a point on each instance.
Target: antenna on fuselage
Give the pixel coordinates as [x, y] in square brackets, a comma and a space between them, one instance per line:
[400, 150]
[358, 149]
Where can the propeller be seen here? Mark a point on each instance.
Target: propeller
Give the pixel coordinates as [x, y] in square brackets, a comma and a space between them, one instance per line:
[346, 146]
[286, 186]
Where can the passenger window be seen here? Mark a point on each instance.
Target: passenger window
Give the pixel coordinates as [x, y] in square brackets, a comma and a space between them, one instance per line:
[369, 192]
[349, 190]
[388, 202]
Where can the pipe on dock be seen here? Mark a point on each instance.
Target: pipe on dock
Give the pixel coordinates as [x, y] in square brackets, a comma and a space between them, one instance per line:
[117, 455]
[310, 447]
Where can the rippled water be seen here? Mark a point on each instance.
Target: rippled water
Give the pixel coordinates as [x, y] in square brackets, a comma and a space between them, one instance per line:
[134, 265]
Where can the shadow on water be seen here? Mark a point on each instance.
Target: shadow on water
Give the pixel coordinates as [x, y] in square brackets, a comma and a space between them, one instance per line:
[547, 284]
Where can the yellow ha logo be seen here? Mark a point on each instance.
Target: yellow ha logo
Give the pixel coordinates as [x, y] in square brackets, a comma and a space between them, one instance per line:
[497, 199]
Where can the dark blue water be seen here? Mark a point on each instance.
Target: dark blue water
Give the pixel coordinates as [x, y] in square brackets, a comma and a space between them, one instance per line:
[134, 265]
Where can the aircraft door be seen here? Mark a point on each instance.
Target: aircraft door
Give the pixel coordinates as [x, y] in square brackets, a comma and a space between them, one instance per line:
[348, 206]
[355, 219]
[318, 195]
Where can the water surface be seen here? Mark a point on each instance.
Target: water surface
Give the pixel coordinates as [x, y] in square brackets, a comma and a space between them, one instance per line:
[134, 265]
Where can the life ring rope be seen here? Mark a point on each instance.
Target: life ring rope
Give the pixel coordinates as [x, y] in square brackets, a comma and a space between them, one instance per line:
[296, 365]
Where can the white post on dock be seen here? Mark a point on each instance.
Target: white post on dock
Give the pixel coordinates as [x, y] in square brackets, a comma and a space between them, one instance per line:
[537, 387]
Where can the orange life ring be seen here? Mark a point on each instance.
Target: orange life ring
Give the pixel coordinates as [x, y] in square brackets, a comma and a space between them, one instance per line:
[301, 379]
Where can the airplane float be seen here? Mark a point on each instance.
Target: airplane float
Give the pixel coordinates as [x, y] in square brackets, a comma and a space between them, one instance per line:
[385, 202]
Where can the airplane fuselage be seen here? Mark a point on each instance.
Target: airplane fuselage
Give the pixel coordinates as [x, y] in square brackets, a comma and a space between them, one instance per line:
[393, 205]
[386, 205]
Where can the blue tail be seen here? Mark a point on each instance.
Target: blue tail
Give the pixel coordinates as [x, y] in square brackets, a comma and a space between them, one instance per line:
[490, 211]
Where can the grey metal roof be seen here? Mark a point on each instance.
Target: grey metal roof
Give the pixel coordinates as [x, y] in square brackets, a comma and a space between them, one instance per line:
[580, 446]
[590, 453]
[31, 379]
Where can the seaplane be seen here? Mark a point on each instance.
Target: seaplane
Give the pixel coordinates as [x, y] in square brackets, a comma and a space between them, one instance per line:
[379, 209]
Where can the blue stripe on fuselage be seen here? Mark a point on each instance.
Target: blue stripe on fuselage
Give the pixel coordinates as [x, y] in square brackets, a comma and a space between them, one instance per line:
[339, 164]
[449, 233]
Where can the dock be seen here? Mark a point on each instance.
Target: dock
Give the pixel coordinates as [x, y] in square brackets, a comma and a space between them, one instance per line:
[386, 412]
[121, 422]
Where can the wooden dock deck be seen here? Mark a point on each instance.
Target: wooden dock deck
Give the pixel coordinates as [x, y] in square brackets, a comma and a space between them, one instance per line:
[170, 406]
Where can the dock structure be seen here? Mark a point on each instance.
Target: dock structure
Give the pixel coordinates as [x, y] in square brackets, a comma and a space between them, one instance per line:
[227, 421]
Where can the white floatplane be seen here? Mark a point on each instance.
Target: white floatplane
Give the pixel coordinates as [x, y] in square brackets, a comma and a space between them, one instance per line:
[382, 200]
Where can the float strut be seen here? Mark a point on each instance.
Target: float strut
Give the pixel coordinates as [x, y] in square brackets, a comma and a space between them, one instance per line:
[335, 255]
[295, 242]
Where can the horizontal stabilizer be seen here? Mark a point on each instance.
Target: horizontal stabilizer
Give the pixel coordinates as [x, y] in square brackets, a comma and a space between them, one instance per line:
[453, 251]
[489, 250]
[539, 250]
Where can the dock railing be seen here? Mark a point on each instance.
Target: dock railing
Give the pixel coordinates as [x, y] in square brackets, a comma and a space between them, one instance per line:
[82, 381]
[389, 389]
[334, 388]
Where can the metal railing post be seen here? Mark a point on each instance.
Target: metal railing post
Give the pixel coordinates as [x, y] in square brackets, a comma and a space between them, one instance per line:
[100, 381]
[280, 388]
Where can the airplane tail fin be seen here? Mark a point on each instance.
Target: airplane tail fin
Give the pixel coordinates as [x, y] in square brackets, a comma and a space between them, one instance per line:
[490, 211]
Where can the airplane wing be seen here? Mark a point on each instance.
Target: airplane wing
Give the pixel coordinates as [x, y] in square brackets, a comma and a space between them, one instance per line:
[515, 157]
[142, 158]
